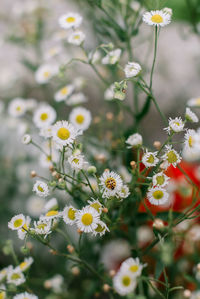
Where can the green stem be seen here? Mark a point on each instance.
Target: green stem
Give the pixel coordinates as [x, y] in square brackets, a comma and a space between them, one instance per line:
[154, 57]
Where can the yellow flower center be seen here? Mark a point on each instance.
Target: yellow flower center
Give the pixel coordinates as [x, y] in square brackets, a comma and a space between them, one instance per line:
[160, 180]
[46, 74]
[40, 188]
[23, 265]
[190, 141]
[41, 226]
[77, 36]
[25, 227]
[71, 214]
[171, 157]
[18, 222]
[80, 118]
[178, 124]
[70, 20]
[134, 268]
[96, 206]
[18, 108]
[2, 295]
[63, 133]
[75, 160]
[198, 101]
[157, 19]
[87, 219]
[51, 213]
[15, 276]
[150, 159]
[158, 194]
[110, 183]
[100, 228]
[64, 91]
[43, 116]
[126, 281]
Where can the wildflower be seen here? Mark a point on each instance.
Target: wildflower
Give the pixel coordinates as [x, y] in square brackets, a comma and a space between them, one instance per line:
[76, 99]
[167, 10]
[194, 102]
[134, 140]
[157, 18]
[76, 161]
[132, 69]
[44, 116]
[41, 188]
[42, 227]
[26, 139]
[109, 93]
[2, 291]
[25, 296]
[23, 231]
[76, 38]
[80, 118]
[132, 266]
[17, 107]
[87, 219]
[70, 20]
[17, 222]
[149, 159]
[15, 276]
[112, 57]
[157, 196]
[35, 205]
[46, 132]
[123, 192]
[191, 116]
[50, 215]
[189, 139]
[4, 272]
[25, 264]
[94, 203]
[52, 204]
[100, 229]
[63, 93]
[64, 133]
[52, 52]
[111, 183]
[160, 179]
[175, 125]
[45, 72]
[55, 283]
[171, 157]
[124, 283]
[69, 215]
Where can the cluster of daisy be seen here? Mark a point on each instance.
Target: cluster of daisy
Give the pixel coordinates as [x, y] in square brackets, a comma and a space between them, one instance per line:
[125, 281]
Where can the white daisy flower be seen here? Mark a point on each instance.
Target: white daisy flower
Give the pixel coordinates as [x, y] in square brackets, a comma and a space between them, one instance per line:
[134, 140]
[44, 116]
[55, 283]
[87, 219]
[175, 125]
[25, 264]
[157, 196]
[52, 52]
[17, 222]
[112, 57]
[194, 102]
[63, 93]
[47, 160]
[110, 183]
[23, 231]
[35, 205]
[124, 283]
[26, 139]
[46, 132]
[94, 203]
[70, 20]
[132, 266]
[17, 107]
[42, 227]
[80, 118]
[160, 179]
[94, 57]
[189, 139]
[16, 277]
[76, 38]
[191, 116]
[157, 18]
[149, 159]
[41, 188]
[124, 192]
[50, 215]
[45, 72]
[69, 215]
[2, 291]
[171, 157]
[167, 10]
[101, 229]
[76, 99]
[4, 272]
[64, 133]
[132, 69]
[109, 93]
[25, 296]
[51, 204]
[77, 162]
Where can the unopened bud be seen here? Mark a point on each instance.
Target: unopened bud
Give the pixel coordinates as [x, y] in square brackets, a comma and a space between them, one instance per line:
[96, 119]
[51, 168]
[157, 144]
[158, 223]
[105, 210]
[29, 245]
[133, 165]
[75, 271]
[33, 174]
[187, 293]
[109, 116]
[91, 169]
[47, 284]
[112, 273]
[54, 173]
[106, 287]
[198, 266]
[70, 248]
[79, 231]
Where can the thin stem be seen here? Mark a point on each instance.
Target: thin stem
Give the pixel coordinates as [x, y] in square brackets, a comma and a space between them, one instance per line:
[154, 57]
[83, 172]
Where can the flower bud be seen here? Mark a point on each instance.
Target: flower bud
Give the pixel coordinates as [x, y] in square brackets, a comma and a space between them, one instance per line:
[133, 165]
[187, 293]
[105, 210]
[158, 223]
[75, 271]
[157, 144]
[33, 174]
[112, 273]
[91, 169]
[106, 287]
[26, 139]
